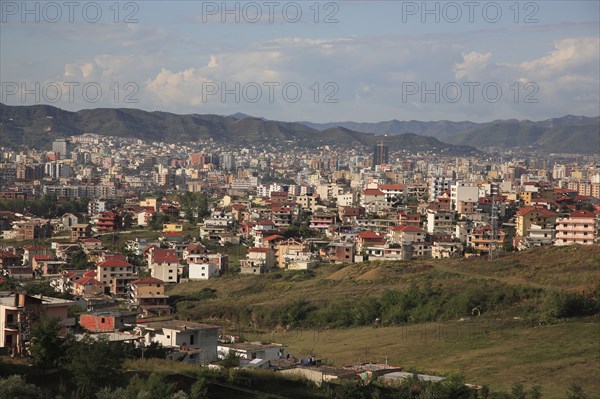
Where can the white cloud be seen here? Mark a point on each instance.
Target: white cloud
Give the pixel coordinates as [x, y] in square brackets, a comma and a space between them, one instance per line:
[474, 63]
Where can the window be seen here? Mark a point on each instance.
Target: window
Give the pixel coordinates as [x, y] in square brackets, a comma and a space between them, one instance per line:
[102, 320]
[168, 336]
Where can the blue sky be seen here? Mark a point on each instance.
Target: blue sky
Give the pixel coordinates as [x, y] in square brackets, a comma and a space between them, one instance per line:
[318, 61]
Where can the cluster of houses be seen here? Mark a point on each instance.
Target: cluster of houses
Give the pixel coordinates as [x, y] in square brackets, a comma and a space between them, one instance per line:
[184, 341]
[459, 220]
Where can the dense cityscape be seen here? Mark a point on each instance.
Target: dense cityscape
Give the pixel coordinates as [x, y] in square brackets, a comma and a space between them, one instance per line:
[299, 200]
[109, 225]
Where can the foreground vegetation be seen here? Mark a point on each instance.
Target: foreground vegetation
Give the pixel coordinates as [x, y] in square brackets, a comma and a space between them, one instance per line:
[546, 302]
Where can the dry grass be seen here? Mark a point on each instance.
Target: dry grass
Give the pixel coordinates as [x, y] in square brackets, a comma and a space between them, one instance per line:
[496, 353]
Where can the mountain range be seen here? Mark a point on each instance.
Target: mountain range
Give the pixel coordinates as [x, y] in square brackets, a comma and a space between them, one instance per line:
[569, 134]
[36, 126]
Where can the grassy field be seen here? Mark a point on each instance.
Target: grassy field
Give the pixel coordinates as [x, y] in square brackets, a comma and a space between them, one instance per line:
[499, 348]
[496, 353]
[570, 268]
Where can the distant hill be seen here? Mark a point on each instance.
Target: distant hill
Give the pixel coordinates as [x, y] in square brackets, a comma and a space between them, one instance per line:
[575, 134]
[438, 129]
[558, 137]
[36, 127]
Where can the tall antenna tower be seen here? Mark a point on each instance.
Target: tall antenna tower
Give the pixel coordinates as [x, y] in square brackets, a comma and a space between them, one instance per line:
[494, 224]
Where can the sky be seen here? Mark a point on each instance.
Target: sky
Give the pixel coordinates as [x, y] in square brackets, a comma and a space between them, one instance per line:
[363, 61]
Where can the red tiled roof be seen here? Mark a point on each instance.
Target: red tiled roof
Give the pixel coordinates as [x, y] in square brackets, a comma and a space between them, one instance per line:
[88, 281]
[148, 280]
[582, 214]
[114, 263]
[165, 259]
[172, 234]
[120, 257]
[264, 223]
[38, 258]
[34, 248]
[392, 187]
[8, 255]
[368, 234]
[272, 237]
[372, 191]
[90, 273]
[528, 209]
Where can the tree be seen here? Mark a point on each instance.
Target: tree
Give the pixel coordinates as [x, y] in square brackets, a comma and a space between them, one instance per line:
[535, 392]
[199, 389]
[231, 360]
[94, 363]
[47, 347]
[576, 392]
[107, 393]
[518, 391]
[152, 388]
[79, 260]
[15, 387]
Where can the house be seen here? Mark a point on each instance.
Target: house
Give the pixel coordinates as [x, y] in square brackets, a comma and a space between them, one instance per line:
[70, 219]
[296, 259]
[580, 227]
[148, 295]
[257, 261]
[440, 221]
[87, 287]
[530, 215]
[194, 249]
[108, 221]
[65, 281]
[164, 264]
[368, 238]
[106, 321]
[285, 247]
[393, 192]
[341, 252]
[349, 214]
[409, 235]
[405, 219]
[373, 200]
[443, 250]
[91, 244]
[115, 274]
[183, 335]
[80, 232]
[252, 350]
[19, 312]
[30, 251]
[481, 239]
[172, 236]
[38, 260]
[8, 259]
[322, 221]
[405, 234]
[172, 227]
[203, 271]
